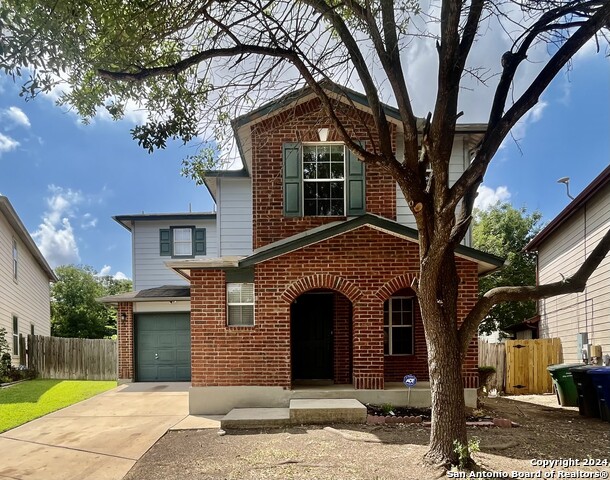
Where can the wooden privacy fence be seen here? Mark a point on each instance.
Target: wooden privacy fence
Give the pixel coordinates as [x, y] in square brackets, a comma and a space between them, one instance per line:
[72, 358]
[526, 362]
[493, 355]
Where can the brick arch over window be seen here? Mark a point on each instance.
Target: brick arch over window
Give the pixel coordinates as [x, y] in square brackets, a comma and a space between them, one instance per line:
[392, 286]
[332, 282]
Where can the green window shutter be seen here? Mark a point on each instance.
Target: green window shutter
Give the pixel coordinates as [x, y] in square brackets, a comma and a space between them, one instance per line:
[165, 242]
[199, 241]
[355, 185]
[292, 179]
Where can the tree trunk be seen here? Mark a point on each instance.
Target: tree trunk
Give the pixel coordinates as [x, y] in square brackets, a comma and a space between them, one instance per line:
[438, 303]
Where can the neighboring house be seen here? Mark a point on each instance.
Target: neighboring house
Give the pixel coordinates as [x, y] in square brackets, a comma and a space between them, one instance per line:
[306, 272]
[562, 247]
[25, 306]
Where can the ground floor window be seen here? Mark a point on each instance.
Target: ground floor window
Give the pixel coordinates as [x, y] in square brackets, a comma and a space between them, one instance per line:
[398, 326]
[240, 304]
[15, 335]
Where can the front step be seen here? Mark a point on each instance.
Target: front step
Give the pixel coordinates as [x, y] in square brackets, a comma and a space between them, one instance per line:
[301, 411]
[327, 411]
[255, 418]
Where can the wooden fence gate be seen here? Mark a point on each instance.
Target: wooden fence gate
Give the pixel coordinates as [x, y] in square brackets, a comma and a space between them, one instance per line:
[493, 355]
[526, 362]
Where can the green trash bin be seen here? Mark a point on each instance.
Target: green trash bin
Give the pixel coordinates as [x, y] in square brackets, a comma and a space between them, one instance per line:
[567, 395]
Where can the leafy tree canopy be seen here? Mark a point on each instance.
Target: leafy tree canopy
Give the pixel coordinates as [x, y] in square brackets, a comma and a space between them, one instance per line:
[75, 312]
[505, 231]
[194, 65]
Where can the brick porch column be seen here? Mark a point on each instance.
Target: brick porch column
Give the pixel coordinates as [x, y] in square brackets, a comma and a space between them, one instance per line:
[368, 344]
[125, 342]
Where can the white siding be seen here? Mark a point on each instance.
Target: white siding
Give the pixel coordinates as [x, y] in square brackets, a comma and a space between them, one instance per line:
[562, 254]
[234, 196]
[149, 268]
[457, 165]
[165, 307]
[28, 297]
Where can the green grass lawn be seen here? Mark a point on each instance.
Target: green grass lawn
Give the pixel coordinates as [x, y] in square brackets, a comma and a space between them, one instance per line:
[32, 399]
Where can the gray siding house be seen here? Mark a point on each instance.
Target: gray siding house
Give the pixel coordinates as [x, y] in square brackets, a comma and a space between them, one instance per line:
[25, 305]
[562, 247]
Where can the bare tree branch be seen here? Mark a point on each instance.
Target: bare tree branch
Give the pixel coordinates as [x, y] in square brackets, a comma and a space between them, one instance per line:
[497, 131]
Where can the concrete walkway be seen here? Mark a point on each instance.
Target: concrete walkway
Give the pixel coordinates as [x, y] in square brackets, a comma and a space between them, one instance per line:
[100, 438]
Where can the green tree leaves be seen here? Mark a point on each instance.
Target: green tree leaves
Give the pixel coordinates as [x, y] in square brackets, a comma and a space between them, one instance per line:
[75, 312]
[504, 231]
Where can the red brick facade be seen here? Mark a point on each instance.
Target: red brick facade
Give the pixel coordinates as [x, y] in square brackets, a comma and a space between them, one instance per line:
[363, 276]
[363, 268]
[125, 340]
[301, 125]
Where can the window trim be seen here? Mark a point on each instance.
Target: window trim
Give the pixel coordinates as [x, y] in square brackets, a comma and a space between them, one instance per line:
[241, 304]
[345, 179]
[15, 335]
[172, 240]
[389, 326]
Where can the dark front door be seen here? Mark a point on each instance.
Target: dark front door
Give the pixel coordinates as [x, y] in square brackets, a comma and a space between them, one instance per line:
[312, 337]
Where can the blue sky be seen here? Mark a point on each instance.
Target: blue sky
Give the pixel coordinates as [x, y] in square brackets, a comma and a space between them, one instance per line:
[66, 180]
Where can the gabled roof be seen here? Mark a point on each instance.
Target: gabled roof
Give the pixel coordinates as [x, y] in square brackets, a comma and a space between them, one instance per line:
[340, 92]
[486, 262]
[241, 125]
[574, 206]
[125, 220]
[15, 222]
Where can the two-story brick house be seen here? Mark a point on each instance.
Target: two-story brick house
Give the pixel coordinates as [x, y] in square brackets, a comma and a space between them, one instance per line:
[309, 282]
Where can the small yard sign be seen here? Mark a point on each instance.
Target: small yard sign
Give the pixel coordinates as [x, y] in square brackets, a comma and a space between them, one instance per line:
[409, 381]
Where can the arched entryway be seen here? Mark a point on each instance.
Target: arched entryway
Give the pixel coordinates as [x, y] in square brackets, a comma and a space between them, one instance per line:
[321, 338]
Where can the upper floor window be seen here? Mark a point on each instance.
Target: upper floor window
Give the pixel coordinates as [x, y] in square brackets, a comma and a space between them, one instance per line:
[182, 242]
[15, 259]
[322, 179]
[398, 326]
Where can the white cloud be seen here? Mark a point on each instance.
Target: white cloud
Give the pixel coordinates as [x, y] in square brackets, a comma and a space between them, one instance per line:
[57, 242]
[488, 197]
[107, 271]
[88, 221]
[55, 235]
[7, 144]
[17, 116]
[519, 131]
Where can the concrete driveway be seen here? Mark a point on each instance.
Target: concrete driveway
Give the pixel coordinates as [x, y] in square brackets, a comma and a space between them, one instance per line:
[100, 438]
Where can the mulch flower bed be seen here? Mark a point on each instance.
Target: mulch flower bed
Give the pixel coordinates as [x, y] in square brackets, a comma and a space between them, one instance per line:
[385, 414]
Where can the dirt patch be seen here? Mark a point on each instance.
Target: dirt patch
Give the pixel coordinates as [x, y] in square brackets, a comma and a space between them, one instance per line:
[377, 451]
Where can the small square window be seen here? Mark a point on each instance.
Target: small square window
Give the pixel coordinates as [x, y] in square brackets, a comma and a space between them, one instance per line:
[240, 304]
